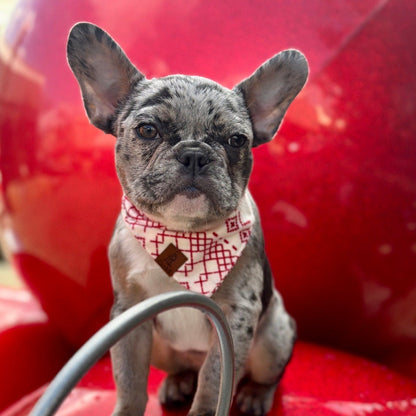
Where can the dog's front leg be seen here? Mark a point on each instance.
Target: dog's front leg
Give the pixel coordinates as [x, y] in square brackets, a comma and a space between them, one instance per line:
[241, 321]
[130, 359]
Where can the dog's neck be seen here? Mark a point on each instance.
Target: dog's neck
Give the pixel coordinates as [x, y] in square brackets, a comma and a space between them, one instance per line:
[198, 260]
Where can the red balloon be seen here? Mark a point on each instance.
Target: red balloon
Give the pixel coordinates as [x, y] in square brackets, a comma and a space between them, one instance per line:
[336, 188]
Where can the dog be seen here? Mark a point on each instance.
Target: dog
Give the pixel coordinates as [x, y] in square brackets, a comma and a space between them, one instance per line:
[183, 156]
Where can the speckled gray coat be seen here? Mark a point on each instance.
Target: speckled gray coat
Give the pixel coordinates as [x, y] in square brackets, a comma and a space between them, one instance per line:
[183, 156]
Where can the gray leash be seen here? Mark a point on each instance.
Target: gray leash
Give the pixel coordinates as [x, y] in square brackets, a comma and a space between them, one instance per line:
[107, 336]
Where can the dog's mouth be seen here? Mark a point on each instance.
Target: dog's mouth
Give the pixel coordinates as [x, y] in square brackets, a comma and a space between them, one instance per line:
[190, 191]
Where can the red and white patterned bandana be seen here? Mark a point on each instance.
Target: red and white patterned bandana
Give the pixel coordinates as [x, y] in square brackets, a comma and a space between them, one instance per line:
[198, 260]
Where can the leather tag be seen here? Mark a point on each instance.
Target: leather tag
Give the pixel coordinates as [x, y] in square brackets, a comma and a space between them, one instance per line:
[171, 259]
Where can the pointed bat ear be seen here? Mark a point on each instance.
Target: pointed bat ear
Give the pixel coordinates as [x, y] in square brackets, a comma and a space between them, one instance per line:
[270, 90]
[104, 73]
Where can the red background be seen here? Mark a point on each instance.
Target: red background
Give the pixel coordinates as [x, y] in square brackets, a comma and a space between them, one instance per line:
[336, 189]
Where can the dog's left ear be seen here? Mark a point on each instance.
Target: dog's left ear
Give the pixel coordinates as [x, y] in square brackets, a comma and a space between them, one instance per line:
[270, 90]
[104, 73]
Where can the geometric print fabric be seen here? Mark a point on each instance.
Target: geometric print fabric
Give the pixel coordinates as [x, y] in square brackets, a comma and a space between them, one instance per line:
[209, 254]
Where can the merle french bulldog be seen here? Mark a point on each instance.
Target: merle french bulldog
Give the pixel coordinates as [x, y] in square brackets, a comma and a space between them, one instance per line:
[183, 157]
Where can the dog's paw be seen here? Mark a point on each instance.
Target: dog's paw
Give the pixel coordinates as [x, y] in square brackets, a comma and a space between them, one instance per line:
[255, 399]
[125, 412]
[178, 389]
[203, 413]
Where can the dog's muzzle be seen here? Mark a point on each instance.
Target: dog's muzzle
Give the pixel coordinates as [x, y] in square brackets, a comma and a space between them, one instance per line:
[193, 156]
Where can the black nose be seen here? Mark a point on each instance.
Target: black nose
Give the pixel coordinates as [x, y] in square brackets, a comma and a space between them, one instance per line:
[193, 159]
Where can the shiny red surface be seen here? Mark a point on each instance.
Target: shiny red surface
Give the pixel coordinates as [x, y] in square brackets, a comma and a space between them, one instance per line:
[336, 189]
[31, 350]
[319, 382]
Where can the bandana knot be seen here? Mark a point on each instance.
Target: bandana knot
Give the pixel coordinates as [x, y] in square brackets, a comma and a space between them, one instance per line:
[198, 260]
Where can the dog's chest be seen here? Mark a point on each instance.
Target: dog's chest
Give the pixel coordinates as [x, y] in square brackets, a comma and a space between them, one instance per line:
[183, 328]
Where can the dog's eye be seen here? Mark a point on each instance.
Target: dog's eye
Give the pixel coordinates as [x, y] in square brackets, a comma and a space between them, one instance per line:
[237, 140]
[147, 131]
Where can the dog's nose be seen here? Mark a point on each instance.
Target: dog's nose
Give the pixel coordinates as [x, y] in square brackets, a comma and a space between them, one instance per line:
[193, 159]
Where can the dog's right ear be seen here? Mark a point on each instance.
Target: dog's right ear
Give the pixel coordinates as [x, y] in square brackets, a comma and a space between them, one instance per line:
[104, 73]
[270, 90]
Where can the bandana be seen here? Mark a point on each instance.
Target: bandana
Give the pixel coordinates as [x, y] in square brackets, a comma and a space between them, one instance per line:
[198, 260]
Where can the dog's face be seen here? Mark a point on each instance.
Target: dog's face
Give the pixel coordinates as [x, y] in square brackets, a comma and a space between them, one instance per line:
[183, 151]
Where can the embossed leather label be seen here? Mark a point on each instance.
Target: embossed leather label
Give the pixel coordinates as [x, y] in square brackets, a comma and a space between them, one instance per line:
[171, 259]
